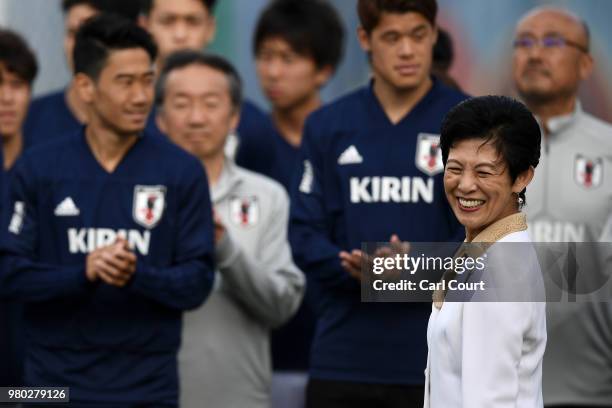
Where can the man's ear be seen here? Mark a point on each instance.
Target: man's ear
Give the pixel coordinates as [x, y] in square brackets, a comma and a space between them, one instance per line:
[323, 75]
[586, 65]
[235, 120]
[143, 21]
[160, 121]
[364, 39]
[85, 87]
[435, 34]
[212, 30]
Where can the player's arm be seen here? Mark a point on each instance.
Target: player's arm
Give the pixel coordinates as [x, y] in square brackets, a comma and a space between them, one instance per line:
[187, 283]
[309, 229]
[22, 275]
[269, 286]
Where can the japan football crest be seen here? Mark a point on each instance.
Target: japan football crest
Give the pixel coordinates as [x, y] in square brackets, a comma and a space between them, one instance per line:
[149, 204]
[428, 154]
[244, 211]
[588, 172]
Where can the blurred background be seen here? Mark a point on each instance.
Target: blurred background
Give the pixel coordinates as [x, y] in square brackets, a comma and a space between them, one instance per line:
[482, 32]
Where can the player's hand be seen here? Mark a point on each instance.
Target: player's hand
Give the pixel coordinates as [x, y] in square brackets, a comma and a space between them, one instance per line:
[219, 228]
[120, 264]
[91, 263]
[395, 247]
[351, 262]
[114, 264]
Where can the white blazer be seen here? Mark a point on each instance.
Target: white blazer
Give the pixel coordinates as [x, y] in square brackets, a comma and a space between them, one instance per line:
[487, 355]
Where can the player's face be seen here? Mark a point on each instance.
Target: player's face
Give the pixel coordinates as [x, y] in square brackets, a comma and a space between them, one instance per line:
[14, 101]
[179, 24]
[544, 74]
[400, 49]
[287, 78]
[73, 19]
[478, 185]
[197, 113]
[122, 96]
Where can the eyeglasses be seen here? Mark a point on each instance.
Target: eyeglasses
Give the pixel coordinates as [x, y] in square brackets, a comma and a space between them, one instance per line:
[550, 42]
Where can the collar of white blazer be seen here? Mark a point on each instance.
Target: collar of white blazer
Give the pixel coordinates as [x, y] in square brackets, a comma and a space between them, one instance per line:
[499, 229]
[479, 245]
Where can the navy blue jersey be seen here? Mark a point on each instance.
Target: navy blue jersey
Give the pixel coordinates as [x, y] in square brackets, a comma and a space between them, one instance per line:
[151, 126]
[286, 162]
[109, 344]
[256, 140]
[48, 117]
[364, 179]
[11, 320]
[282, 157]
[11, 340]
[290, 343]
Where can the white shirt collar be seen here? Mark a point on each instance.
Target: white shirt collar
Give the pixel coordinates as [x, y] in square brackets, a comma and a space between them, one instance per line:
[228, 179]
[559, 123]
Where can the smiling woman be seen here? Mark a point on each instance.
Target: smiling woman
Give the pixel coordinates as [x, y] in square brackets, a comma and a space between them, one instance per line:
[488, 354]
[490, 147]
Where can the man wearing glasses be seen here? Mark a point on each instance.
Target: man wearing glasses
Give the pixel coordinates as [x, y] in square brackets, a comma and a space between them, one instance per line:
[551, 58]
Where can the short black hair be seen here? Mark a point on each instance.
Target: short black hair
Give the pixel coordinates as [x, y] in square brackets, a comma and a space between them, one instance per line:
[147, 5]
[129, 9]
[183, 58]
[104, 33]
[68, 4]
[17, 57]
[311, 27]
[369, 11]
[500, 120]
[443, 51]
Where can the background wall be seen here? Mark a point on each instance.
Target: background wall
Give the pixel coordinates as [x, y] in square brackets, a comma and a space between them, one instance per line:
[482, 31]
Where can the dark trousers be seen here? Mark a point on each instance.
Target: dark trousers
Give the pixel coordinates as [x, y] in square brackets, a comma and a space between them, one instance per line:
[343, 394]
[11, 344]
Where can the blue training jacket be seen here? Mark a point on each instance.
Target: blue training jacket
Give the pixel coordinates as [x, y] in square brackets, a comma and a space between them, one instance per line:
[363, 179]
[111, 345]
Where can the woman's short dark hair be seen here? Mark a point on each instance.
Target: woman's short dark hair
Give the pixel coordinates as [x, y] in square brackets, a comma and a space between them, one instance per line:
[104, 33]
[17, 57]
[311, 28]
[500, 120]
[370, 11]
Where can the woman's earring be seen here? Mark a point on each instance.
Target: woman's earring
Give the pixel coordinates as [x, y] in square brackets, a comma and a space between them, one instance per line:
[520, 201]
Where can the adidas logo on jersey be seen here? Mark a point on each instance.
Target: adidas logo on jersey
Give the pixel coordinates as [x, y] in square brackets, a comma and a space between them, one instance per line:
[307, 178]
[17, 218]
[86, 240]
[350, 156]
[391, 189]
[66, 208]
